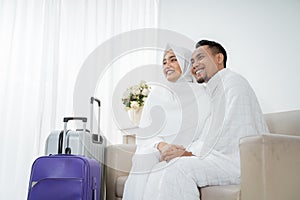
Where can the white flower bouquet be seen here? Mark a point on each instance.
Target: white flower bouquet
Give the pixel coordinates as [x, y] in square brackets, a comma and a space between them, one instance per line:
[135, 96]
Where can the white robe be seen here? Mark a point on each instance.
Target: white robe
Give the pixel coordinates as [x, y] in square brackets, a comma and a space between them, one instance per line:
[235, 114]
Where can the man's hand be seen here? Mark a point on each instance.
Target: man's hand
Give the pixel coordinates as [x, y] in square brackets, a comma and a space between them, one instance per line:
[171, 151]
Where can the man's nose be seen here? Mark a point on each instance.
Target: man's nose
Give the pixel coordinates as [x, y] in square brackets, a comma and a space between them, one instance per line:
[194, 65]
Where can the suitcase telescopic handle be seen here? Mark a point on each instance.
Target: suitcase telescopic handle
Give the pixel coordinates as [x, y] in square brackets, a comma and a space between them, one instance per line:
[96, 138]
[97, 100]
[65, 138]
[83, 119]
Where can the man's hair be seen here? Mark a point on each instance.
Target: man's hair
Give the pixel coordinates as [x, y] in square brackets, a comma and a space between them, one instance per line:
[215, 47]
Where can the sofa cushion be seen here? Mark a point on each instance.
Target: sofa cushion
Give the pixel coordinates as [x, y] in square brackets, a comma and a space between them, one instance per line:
[120, 185]
[226, 192]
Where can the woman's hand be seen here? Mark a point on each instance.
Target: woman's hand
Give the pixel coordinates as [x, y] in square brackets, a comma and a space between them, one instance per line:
[171, 151]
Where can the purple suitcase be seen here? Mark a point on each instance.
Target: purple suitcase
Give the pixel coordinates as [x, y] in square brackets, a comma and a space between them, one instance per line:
[65, 177]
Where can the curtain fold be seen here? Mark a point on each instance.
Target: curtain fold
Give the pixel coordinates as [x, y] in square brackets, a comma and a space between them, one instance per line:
[43, 44]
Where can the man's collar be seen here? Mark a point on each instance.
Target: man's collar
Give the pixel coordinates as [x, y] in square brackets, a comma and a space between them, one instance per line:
[215, 81]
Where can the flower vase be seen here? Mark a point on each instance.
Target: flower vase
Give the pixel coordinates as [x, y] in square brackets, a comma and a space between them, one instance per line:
[135, 115]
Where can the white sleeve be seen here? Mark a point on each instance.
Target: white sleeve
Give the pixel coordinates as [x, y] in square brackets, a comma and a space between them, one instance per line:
[149, 143]
[196, 146]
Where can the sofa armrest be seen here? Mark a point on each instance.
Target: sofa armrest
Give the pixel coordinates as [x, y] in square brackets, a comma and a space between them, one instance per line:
[270, 167]
[118, 163]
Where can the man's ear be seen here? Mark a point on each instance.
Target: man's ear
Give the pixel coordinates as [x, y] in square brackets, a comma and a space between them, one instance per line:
[220, 58]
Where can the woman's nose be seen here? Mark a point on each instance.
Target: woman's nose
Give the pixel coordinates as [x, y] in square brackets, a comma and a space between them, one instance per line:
[168, 64]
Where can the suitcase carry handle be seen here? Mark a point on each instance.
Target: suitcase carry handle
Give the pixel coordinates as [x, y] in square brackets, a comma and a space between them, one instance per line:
[65, 139]
[60, 142]
[96, 138]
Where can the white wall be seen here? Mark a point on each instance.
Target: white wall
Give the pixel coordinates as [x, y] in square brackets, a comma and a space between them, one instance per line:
[262, 39]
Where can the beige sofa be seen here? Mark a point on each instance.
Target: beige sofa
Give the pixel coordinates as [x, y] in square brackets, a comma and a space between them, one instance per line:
[270, 165]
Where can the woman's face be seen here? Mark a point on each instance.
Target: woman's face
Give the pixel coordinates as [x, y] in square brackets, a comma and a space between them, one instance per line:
[171, 68]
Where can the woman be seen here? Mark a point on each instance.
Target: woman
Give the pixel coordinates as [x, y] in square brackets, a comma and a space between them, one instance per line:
[170, 120]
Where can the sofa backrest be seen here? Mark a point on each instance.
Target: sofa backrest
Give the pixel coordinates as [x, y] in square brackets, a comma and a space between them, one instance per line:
[287, 123]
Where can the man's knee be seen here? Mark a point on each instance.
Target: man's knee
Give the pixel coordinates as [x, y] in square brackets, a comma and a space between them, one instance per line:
[181, 166]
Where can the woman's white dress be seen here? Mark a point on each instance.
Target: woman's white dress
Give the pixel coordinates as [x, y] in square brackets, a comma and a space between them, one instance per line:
[183, 125]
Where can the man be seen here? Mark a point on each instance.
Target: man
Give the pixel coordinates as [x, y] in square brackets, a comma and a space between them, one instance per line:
[235, 114]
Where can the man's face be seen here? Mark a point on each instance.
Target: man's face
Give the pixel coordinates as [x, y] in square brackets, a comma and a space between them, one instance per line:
[171, 68]
[204, 64]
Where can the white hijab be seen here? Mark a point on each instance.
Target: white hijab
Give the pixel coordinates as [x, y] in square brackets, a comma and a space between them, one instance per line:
[183, 56]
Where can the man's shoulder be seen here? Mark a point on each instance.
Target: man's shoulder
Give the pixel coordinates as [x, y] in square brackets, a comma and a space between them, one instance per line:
[231, 78]
[228, 73]
[235, 84]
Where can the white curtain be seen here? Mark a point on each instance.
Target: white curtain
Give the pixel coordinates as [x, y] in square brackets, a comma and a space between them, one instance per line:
[43, 43]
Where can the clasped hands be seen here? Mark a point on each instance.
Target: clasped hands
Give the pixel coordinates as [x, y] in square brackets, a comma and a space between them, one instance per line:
[171, 151]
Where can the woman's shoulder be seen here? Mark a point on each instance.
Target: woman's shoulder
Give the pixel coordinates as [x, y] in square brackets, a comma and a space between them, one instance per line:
[160, 90]
[159, 94]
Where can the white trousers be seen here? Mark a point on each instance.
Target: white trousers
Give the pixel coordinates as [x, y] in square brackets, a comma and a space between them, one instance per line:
[181, 177]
